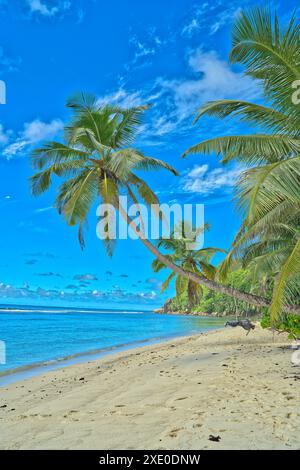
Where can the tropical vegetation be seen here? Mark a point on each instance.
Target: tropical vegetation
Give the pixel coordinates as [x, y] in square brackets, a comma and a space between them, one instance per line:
[98, 162]
[182, 251]
[268, 191]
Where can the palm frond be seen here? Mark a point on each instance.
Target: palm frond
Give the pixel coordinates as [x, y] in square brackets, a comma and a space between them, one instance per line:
[269, 53]
[77, 195]
[55, 152]
[41, 181]
[261, 189]
[290, 269]
[249, 149]
[251, 113]
[166, 283]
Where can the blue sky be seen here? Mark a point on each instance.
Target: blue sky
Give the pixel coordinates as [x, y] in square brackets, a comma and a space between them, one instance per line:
[170, 54]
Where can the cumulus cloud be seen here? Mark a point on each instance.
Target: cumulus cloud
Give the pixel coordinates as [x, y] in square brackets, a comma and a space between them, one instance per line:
[47, 8]
[215, 79]
[85, 277]
[33, 132]
[203, 181]
[8, 291]
[37, 130]
[174, 101]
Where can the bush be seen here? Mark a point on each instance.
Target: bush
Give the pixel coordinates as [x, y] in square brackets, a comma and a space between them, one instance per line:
[289, 323]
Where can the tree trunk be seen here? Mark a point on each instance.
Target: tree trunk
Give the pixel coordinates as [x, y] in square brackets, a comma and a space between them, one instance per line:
[252, 299]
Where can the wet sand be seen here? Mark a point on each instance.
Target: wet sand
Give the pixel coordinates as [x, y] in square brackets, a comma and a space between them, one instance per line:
[173, 395]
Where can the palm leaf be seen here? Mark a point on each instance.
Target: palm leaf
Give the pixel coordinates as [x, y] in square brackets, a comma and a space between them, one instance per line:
[252, 113]
[249, 149]
[290, 268]
[76, 197]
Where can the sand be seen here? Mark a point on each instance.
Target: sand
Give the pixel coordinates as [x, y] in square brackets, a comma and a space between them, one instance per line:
[172, 395]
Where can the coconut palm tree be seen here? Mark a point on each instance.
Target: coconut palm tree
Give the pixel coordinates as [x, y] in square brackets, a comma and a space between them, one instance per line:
[268, 192]
[181, 251]
[97, 162]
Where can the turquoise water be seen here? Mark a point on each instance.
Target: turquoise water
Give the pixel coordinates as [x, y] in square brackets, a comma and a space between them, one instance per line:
[33, 336]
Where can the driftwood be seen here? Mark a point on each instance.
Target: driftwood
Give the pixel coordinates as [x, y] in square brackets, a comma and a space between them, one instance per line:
[246, 324]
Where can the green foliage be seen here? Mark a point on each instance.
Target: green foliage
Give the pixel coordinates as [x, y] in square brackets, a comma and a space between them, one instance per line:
[213, 302]
[96, 161]
[219, 304]
[268, 191]
[289, 323]
[181, 251]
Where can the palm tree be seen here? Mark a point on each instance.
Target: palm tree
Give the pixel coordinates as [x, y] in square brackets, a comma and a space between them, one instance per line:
[180, 251]
[97, 162]
[97, 159]
[268, 192]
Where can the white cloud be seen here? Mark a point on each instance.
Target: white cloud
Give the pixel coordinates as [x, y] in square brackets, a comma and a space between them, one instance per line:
[211, 17]
[174, 101]
[161, 125]
[13, 149]
[190, 28]
[122, 98]
[37, 130]
[43, 8]
[202, 181]
[196, 20]
[216, 81]
[33, 133]
[85, 277]
[141, 49]
[44, 209]
[146, 47]
[4, 136]
[78, 295]
[223, 18]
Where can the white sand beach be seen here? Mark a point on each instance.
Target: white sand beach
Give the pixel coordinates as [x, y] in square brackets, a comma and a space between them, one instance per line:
[172, 395]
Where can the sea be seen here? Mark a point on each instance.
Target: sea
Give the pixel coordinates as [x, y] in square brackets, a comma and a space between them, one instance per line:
[34, 339]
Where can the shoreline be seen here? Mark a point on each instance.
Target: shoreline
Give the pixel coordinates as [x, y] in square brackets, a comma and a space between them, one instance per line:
[17, 374]
[169, 395]
[21, 372]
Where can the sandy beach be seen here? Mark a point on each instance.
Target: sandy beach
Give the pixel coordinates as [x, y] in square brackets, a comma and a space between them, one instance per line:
[172, 395]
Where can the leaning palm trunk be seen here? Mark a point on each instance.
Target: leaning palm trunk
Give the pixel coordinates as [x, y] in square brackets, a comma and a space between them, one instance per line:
[252, 299]
[97, 160]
